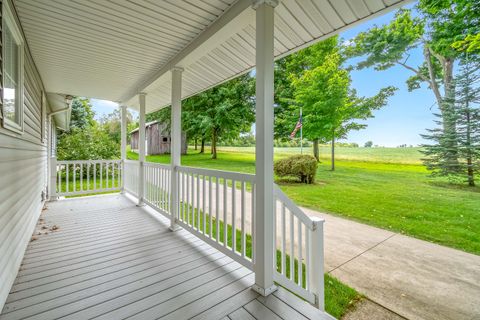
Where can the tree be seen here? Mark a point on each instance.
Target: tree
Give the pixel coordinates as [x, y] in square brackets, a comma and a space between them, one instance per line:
[224, 111]
[82, 113]
[440, 23]
[91, 143]
[87, 140]
[368, 144]
[466, 116]
[111, 124]
[330, 106]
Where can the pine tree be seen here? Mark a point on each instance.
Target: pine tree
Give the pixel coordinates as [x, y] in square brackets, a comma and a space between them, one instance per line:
[468, 120]
[465, 114]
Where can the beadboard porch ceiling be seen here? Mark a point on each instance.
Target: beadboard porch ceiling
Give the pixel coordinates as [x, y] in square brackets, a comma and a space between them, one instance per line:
[115, 49]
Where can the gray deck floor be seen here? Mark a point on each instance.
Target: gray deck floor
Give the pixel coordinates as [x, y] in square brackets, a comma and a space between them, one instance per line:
[112, 260]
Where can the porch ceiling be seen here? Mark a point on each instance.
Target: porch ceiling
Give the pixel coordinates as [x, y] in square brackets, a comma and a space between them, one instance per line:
[114, 49]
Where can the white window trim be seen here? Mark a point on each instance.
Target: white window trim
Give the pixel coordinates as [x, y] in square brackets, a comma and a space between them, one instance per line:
[8, 19]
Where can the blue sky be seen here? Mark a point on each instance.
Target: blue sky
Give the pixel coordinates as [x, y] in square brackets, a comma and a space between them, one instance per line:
[400, 122]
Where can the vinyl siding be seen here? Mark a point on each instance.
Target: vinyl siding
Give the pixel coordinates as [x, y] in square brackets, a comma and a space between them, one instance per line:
[23, 165]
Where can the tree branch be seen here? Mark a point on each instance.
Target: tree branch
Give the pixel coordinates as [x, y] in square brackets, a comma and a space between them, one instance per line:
[431, 72]
[416, 71]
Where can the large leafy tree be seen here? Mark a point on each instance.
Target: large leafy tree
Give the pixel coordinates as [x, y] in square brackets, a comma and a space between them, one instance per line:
[86, 140]
[331, 107]
[223, 112]
[433, 26]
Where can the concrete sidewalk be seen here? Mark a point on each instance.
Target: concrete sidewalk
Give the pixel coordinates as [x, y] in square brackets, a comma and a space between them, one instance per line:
[413, 278]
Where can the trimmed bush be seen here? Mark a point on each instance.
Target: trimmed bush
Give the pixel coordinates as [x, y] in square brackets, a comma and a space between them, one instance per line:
[300, 166]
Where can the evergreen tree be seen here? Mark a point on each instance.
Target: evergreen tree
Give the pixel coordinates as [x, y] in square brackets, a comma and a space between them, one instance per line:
[465, 114]
[468, 120]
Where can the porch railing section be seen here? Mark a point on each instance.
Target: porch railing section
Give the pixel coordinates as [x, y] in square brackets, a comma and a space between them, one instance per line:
[299, 248]
[131, 176]
[219, 208]
[216, 206]
[88, 176]
[157, 186]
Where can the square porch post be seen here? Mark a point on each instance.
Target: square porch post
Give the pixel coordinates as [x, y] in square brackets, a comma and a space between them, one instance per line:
[141, 149]
[123, 143]
[175, 144]
[264, 215]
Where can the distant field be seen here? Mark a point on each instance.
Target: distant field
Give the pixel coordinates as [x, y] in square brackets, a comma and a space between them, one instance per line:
[383, 155]
[384, 187]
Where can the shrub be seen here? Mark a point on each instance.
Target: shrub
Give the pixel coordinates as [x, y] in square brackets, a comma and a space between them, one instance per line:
[303, 167]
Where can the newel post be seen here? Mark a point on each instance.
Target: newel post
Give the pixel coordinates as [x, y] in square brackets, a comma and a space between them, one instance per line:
[317, 281]
[141, 149]
[175, 144]
[123, 144]
[264, 214]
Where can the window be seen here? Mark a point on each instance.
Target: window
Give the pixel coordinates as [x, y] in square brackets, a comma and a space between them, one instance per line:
[12, 71]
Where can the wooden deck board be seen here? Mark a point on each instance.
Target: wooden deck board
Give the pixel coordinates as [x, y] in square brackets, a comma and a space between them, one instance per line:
[112, 260]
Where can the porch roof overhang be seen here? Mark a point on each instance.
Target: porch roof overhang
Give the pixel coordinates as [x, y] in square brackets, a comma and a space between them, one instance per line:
[114, 50]
[60, 109]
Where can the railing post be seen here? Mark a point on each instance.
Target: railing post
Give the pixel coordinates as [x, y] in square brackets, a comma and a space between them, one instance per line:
[175, 144]
[123, 146]
[263, 234]
[141, 149]
[52, 186]
[316, 268]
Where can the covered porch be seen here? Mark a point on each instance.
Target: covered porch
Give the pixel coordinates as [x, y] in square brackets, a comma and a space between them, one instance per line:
[194, 243]
[110, 259]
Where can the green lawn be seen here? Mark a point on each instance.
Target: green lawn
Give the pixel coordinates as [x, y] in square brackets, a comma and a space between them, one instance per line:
[368, 186]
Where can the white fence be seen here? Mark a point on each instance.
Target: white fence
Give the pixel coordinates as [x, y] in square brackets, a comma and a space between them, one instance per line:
[131, 176]
[87, 176]
[219, 208]
[157, 186]
[299, 247]
[214, 206]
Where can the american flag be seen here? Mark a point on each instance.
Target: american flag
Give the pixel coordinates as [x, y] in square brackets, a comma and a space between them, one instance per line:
[297, 127]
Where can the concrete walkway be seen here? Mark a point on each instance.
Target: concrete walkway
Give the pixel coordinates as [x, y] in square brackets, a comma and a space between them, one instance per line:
[413, 278]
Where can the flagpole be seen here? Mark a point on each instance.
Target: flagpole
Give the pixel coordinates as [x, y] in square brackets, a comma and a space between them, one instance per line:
[301, 132]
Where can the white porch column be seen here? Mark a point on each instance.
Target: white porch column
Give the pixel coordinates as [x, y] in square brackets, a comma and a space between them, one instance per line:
[264, 215]
[141, 148]
[123, 144]
[175, 143]
[51, 162]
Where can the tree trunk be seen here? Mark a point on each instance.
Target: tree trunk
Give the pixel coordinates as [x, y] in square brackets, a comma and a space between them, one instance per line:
[316, 152]
[471, 177]
[202, 147]
[333, 153]
[196, 144]
[214, 145]
[445, 103]
[470, 173]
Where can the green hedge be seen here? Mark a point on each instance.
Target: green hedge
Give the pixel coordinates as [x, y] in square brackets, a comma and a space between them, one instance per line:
[303, 167]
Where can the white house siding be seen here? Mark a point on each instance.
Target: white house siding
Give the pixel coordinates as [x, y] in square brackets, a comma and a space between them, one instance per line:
[23, 165]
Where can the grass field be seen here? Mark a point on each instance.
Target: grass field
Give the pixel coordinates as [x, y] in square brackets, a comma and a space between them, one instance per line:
[384, 187]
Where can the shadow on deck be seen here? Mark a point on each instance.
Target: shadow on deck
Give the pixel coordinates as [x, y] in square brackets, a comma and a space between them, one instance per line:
[109, 259]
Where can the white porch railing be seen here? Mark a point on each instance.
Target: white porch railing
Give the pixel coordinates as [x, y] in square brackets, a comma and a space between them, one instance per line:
[299, 247]
[157, 186]
[215, 205]
[87, 176]
[130, 183]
